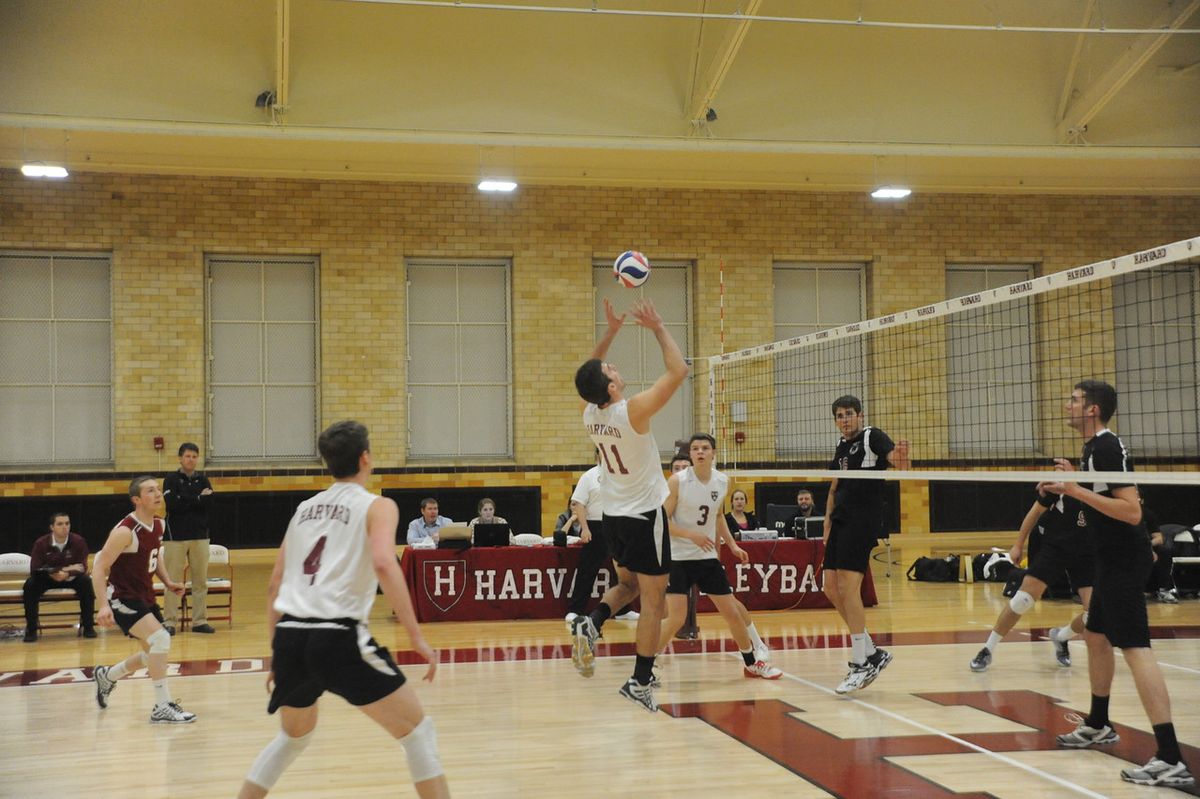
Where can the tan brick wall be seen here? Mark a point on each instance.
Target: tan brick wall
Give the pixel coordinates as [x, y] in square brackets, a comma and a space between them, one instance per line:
[159, 228]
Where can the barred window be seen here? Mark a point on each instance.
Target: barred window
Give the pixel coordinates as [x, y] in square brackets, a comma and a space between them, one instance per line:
[989, 364]
[636, 352]
[459, 359]
[262, 358]
[55, 358]
[810, 297]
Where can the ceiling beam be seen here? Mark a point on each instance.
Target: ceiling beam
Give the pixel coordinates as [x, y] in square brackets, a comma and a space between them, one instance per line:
[1069, 83]
[705, 91]
[1098, 95]
[283, 24]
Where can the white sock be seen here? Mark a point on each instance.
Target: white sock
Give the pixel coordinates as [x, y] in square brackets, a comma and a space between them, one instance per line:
[858, 648]
[993, 641]
[161, 696]
[118, 671]
[754, 639]
[1064, 634]
[870, 644]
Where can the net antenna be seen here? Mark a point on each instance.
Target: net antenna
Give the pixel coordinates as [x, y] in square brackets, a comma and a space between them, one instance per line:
[977, 384]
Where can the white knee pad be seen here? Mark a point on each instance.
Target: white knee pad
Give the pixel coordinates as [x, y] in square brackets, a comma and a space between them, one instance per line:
[143, 659]
[275, 758]
[1021, 602]
[420, 746]
[159, 641]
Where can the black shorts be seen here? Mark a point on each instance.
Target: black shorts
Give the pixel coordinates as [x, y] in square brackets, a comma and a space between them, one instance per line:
[641, 544]
[850, 543]
[312, 656]
[708, 574]
[1074, 553]
[1118, 606]
[128, 612]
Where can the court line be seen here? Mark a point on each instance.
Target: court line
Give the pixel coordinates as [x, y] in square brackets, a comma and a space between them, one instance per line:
[1181, 668]
[949, 737]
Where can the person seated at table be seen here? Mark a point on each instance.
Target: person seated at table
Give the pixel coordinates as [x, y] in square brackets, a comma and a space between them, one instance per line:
[487, 514]
[426, 526]
[59, 560]
[738, 518]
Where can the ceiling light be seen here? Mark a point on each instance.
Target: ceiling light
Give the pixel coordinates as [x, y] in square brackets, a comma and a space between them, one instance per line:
[497, 185]
[40, 170]
[891, 193]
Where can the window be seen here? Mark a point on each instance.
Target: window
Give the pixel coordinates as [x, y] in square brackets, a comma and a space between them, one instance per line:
[1155, 325]
[459, 359]
[810, 298]
[55, 358]
[989, 365]
[636, 352]
[262, 369]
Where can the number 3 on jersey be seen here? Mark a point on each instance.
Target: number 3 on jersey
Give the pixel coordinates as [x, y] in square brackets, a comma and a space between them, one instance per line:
[312, 563]
[616, 457]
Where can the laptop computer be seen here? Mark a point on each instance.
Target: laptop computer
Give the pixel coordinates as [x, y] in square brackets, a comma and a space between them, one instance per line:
[813, 527]
[454, 536]
[492, 535]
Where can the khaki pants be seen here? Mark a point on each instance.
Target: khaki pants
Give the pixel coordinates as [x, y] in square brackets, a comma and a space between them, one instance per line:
[194, 554]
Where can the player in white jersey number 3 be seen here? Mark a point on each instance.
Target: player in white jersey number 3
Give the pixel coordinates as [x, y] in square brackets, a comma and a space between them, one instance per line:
[340, 546]
[633, 491]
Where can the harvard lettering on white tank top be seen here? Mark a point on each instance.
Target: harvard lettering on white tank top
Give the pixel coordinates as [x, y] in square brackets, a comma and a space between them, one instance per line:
[327, 570]
[698, 508]
[633, 483]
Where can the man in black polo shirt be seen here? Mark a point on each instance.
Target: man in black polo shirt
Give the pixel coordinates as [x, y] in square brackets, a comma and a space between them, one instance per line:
[188, 494]
[853, 524]
[1116, 617]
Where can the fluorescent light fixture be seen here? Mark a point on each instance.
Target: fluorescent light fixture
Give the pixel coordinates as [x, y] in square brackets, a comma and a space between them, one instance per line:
[39, 170]
[497, 185]
[891, 193]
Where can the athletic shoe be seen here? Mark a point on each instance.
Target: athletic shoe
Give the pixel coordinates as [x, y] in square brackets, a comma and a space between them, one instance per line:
[762, 653]
[570, 617]
[762, 670]
[629, 615]
[1165, 596]
[104, 686]
[643, 695]
[1062, 653]
[877, 663]
[857, 678]
[170, 713]
[206, 629]
[1084, 736]
[583, 645]
[1157, 772]
[981, 661]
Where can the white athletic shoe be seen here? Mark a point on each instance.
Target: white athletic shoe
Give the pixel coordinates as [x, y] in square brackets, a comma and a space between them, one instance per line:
[170, 713]
[762, 653]
[1157, 772]
[583, 645]
[1062, 653]
[1084, 736]
[641, 694]
[629, 615]
[1166, 596]
[857, 678]
[570, 617]
[762, 670]
[982, 660]
[104, 686]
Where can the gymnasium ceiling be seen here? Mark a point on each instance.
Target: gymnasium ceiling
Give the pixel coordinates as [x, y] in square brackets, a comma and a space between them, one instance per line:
[401, 90]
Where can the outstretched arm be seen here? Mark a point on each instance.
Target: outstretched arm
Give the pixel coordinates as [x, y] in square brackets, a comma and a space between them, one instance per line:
[614, 327]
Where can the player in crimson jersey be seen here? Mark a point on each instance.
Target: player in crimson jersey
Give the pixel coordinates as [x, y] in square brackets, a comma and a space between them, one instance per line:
[121, 574]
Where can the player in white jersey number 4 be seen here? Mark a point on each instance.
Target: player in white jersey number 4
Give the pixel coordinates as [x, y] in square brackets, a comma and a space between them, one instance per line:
[697, 495]
[340, 546]
[633, 491]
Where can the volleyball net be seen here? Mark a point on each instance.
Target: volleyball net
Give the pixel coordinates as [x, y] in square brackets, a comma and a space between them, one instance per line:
[977, 384]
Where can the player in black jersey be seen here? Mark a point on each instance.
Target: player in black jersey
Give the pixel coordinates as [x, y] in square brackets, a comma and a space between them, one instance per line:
[853, 524]
[1117, 616]
[1067, 545]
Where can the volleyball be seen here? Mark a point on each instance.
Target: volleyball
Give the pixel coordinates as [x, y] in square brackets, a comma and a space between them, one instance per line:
[631, 269]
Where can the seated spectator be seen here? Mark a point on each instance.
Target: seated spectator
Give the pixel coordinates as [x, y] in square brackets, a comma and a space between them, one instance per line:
[739, 519]
[426, 525]
[1160, 584]
[487, 514]
[59, 560]
[567, 522]
[804, 500]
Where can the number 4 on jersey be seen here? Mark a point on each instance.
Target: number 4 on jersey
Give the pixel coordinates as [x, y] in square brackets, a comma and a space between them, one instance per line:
[312, 563]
